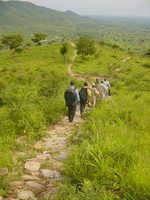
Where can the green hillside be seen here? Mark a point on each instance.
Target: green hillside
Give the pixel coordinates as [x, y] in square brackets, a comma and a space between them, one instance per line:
[110, 158]
[130, 33]
[26, 17]
[111, 155]
[31, 95]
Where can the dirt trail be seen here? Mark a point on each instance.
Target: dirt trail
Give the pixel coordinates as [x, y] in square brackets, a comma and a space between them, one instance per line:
[42, 172]
[82, 77]
[126, 59]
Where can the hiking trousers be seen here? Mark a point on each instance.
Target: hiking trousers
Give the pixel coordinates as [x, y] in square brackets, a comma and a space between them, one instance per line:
[71, 112]
[82, 108]
[109, 93]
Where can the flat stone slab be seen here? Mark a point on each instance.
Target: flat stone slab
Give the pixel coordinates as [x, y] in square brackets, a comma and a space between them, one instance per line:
[16, 184]
[57, 147]
[50, 173]
[61, 157]
[43, 157]
[35, 187]
[32, 165]
[26, 195]
[29, 178]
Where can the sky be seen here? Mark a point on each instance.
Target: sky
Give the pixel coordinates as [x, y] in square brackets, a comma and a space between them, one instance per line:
[99, 7]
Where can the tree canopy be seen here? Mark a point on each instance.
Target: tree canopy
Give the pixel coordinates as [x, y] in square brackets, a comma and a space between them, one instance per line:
[13, 41]
[64, 50]
[38, 37]
[85, 46]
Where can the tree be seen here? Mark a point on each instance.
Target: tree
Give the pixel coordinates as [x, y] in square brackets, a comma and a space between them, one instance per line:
[38, 37]
[64, 50]
[85, 46]
[13, 41]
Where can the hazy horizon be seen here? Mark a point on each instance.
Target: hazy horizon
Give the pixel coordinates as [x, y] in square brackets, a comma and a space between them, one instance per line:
[135, 8]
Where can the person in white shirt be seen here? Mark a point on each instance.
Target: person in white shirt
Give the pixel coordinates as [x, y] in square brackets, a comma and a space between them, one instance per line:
[101, 90]
[94, 95]
[107, 84]
[104, 89]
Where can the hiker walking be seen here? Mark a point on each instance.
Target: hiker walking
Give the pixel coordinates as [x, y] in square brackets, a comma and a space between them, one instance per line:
[105, 90]
[101, 90]
[84, 94]
[107, 84]
[94, 94]
[96, 83]
[72, 98]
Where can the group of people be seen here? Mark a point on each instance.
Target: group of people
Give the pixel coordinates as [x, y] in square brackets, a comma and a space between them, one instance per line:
[86, 96]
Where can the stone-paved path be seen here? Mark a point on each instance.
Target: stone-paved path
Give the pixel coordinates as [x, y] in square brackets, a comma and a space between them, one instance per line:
[42, 172]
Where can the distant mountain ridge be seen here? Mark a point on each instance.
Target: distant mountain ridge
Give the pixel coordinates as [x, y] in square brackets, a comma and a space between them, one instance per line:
[19, 16]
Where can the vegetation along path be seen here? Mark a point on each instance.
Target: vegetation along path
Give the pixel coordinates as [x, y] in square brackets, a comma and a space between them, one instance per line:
[42, 172]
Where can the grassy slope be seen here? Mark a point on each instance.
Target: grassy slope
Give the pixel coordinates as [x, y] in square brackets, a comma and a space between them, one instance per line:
[31, 95]
[111, 157]
[36, 18]
[26, 18]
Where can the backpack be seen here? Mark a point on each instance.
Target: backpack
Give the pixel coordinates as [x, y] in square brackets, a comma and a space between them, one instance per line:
[70, 97]
[83, 95]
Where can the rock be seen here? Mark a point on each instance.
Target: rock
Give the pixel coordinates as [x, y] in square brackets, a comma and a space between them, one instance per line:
[32, 165]
[26, 195]
[58, 179]
[1, 198]
[58, 147]
[35, 187]
[38, 146]
[48, 194]
[45, 152]
[50, 173]
[29, 178]
[35, 173]
[61, 157]
[43, 157]
[16, 183]
[3, 171]
[57, 165]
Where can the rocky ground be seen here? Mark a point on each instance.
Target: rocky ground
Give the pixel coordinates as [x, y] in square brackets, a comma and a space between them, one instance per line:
[42, 173]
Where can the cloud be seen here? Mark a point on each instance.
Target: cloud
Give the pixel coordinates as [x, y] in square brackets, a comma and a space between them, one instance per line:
[100, 7]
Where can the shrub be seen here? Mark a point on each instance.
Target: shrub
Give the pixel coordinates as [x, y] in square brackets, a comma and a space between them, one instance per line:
[19, 50]
[85, 46]
[13, 41]
[148, 53]
[147, 65]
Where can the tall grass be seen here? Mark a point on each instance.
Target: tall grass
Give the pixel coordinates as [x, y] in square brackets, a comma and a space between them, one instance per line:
[112, 150]
[31, 96]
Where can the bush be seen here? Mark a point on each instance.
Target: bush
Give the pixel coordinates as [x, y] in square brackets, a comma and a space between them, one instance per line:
[148, 53]
[147, 65]
[13, 41]
[19, 50]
